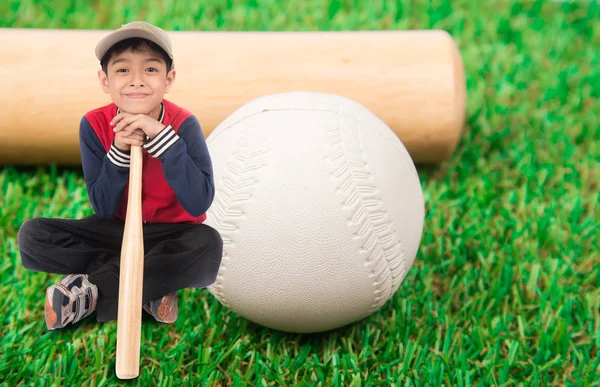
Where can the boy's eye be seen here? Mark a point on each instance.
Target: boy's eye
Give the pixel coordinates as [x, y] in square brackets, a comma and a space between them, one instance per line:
[121, 70]
[152, 69]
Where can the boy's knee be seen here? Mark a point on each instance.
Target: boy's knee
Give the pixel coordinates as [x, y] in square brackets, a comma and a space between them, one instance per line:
[203, 236]
[27, 230]
[28, 234]
[215, 238]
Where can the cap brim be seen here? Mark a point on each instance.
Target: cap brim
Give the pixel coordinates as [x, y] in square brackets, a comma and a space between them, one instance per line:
[110, 40]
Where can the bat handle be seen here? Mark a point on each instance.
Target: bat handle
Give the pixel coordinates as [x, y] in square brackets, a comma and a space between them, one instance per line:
[129, 318]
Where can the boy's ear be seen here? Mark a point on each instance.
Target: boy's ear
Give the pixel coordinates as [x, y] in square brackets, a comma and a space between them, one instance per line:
[170, 80]
[103, 81]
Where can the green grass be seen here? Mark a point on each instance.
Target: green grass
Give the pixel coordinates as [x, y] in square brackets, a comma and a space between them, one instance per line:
[505, 288]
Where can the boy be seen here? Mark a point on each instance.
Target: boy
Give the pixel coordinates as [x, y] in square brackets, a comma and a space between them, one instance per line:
[177, 189]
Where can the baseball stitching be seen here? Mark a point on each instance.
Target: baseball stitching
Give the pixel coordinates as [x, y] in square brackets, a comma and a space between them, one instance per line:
[384, 255]
[235, 191]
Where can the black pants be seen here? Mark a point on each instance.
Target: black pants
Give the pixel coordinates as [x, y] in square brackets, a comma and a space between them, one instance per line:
[176, 255]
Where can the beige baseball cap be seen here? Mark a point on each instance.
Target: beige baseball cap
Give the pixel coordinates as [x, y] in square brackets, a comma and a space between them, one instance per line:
[136, 29]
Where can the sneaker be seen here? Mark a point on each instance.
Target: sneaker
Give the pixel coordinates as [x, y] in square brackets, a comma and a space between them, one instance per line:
[164, 309]
[69, 301]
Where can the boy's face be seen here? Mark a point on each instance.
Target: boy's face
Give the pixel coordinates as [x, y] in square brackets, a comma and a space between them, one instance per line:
[137, 81]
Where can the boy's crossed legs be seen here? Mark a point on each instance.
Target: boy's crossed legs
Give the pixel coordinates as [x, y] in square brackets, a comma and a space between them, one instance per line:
[177, 256]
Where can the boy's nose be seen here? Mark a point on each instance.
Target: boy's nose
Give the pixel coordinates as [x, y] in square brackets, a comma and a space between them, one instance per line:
[137, 81]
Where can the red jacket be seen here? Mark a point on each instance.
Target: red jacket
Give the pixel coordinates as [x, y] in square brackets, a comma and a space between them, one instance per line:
[177, 178]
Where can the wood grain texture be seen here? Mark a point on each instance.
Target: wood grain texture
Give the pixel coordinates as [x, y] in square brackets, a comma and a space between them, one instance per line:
[131, 276]
[413, 80]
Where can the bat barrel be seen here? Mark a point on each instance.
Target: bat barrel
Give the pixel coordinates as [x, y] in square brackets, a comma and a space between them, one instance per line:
[413, 80]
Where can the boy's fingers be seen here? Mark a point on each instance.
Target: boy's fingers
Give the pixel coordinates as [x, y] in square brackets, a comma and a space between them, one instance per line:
[128, 127]
[134, 127]
[131, 129]
[136, 134]
[118, 118]
[137, 137]
[124, 122]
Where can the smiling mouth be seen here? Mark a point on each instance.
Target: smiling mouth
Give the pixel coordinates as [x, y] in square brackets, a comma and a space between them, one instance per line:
[136, 95]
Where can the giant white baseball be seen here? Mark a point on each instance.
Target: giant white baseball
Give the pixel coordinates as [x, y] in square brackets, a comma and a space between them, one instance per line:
[320, 209]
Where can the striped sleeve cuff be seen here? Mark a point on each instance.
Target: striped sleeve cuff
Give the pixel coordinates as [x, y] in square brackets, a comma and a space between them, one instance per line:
[118, 157]
[163, 141]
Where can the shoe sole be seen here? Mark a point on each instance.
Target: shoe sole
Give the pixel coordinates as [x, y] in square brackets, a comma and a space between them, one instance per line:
[168, 308]
[53, 297]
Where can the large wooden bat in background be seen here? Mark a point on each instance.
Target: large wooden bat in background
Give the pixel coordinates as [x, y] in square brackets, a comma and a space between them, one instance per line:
[413, 80]
[131, 276]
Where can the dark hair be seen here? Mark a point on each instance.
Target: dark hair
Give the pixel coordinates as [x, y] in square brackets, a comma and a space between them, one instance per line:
[133, 44]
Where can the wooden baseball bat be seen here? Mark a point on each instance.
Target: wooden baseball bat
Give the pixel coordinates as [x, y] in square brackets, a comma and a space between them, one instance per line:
[131, 276]
[413, 80]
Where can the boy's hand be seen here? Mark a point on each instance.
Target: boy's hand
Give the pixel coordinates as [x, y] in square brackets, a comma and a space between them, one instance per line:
[127, 123]
[123, 141]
